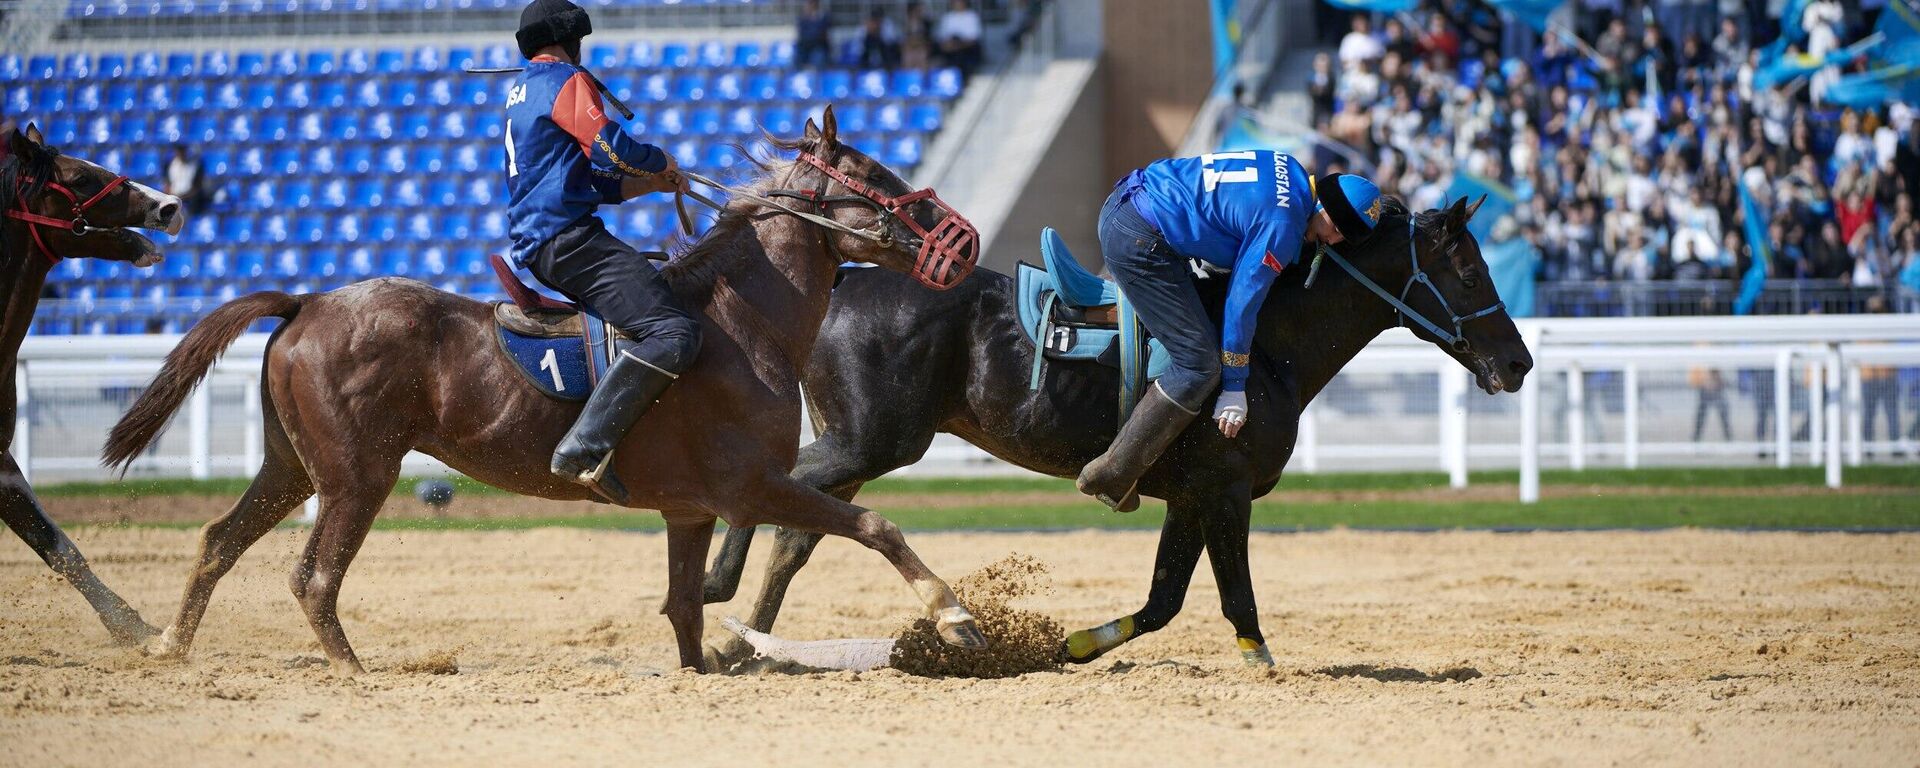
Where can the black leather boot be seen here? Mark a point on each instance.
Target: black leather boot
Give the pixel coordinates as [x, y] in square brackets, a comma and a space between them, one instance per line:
[585, 455]
[1113, 477]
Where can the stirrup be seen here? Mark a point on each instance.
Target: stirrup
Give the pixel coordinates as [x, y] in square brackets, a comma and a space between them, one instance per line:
[603, 482]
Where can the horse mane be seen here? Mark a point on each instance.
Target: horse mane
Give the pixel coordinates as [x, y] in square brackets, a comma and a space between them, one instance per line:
[693, 266]
[23, 177]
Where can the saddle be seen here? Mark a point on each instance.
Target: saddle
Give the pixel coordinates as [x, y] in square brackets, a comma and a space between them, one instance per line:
[1071, 314]
[561, 349]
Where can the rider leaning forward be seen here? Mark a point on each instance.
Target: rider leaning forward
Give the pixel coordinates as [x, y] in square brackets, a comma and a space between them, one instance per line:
[565, 159]
[1250, 213]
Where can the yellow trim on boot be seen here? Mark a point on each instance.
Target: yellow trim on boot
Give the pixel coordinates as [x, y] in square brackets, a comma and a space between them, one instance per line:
[1106, 637]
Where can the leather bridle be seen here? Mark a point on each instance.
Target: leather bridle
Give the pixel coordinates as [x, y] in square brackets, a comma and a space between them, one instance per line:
[76, 222]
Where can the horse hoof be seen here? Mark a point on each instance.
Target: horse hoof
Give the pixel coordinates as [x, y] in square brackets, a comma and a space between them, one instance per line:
[1255, 655]
[132, 632]
[958, 629]
[162, 646]
[347, 668]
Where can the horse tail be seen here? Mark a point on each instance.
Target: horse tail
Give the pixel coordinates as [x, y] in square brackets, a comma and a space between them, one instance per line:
[186, 366]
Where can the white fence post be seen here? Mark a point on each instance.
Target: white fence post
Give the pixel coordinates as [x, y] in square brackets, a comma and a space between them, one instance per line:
[22, 448]
[1783, 409]
[1576, 417]
[1631, 381]
[200, 432]
[1306, 444]
[1856, 417]
[1453, 422]
[1816, 409]
[1530, 429]
[255, 426]
[1834, 401]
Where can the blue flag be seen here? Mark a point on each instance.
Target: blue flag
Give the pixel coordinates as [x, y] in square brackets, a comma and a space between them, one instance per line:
[1374, 6]
[1500, 200]
[1511, 263]
[1876, 87]
[1755, 279]
[1533, 12]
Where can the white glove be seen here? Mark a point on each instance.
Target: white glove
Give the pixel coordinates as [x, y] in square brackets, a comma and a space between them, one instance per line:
[1230, 412]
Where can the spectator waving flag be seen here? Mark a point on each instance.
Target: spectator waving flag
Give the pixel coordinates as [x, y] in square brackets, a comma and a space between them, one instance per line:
[1500, 200]
[1756, 230]
[1375, 6]
[1533, 12]
[1782, 68]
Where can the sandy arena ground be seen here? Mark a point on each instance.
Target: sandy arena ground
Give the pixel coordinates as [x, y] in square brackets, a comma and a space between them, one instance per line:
[1458, 648]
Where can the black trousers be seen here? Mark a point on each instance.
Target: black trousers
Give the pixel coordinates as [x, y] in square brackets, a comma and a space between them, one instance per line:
[587, 264]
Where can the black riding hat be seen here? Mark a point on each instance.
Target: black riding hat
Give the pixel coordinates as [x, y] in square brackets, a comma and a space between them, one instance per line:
[551, 22]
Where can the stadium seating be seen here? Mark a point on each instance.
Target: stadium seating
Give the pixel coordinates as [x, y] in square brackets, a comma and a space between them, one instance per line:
[336, 165]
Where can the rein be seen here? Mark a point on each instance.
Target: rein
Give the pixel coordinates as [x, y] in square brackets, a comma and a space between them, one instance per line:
[77, 224]
[1456, 339]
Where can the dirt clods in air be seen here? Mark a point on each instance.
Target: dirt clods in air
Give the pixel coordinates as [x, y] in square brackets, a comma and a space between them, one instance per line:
[442, 662]
[1019, 641]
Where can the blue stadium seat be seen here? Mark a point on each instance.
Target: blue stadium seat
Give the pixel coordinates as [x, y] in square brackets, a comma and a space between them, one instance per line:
[704, 121]
[854, 118]
[433, 262]
[671, 121]
[780, 54]
[743, 121]
[800, 85]
[836, 85]
[133, 130]
[474, 92]
[690, 87]
[274, 228]
[296, 95]
[201, 129]
[216, 63]
[308, 129]
[390, 61]
[202, 230]
[489, 124]
[642, 55]
[12, 67]
[288, 263]
[924, 117]
[909, 83]
[903, 152]
[249, 64]
[380, 126]
[250, 263]
[728, 86]
[182, 264]
[97, 131]
[392, 159]
[239, 128]
[602, 58]
[437, 92]
[366, 95]
[260, 95]
[237, 228]
[359, 263]
[499, 56]
[144, 65]
[638, 221]
[42, 67]
[780, 120]
[331, 94]
[318, 63]
[52, 100]
[368, 194]
[322, 162]
[357, 160]
[458, 58]
[466, 158]
[407, 193]
[656, 88]
[169, 129]
[77, 66]
[945, 83]
[748, 55]
[396, 261]
[285, 161]
[348, 228]
[215, 264]
[69, 270]
[273, 127]
[121, 97]
[427, 60]
[470, 262]
[310, 229]
[720, 156]
[452, 125]
[418, 228]
[443, 192]
[284, 63]
[416, 125]
[712, 54]
[180, 65]
[225, 96]
[479, 191]
[383, 227]
[322, 262]
[429, 159]
[106, 270]
[493, 225]
[19, 100]
[263, 195]
[871, 84]
[344, 126]
[889, 117]
[402, 92]
[676, 56]
[456, 227]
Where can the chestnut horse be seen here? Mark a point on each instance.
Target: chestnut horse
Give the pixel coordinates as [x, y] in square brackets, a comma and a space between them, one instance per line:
[357, 377]
[54, 207]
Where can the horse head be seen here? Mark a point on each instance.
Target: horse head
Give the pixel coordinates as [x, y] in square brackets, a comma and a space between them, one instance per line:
[1447, 286]
[908, 230]
[73, 207]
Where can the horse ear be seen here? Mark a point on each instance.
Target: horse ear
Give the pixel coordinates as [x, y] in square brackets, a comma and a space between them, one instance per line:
[1475, 207]
[1457, 215]
[33, 134]
[813, 131]
[830, 127]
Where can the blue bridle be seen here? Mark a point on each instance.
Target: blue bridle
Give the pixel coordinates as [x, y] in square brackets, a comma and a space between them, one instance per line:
[1457, 339]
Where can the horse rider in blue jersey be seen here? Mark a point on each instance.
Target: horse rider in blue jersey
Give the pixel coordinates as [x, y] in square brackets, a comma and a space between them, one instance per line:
[565, 158]
[1249, 213]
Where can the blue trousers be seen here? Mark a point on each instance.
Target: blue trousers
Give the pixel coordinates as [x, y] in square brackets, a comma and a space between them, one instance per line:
[1158, 283]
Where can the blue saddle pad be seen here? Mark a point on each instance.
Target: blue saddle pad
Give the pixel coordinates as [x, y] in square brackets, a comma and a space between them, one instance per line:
[565, 367]
[1035, 290]
[1076, 286]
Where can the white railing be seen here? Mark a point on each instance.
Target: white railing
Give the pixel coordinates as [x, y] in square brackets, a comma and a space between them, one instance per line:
[1604, 392]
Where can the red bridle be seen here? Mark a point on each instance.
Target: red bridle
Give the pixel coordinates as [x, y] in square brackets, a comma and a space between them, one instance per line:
[77, 224]
[947, 252]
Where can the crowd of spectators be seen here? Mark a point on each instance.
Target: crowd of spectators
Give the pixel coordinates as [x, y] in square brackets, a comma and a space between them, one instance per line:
[1624, 136]
[916, 40]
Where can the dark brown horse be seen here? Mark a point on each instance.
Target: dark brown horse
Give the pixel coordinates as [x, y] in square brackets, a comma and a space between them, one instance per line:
[43, 194]
[357, 377]
[896, 364]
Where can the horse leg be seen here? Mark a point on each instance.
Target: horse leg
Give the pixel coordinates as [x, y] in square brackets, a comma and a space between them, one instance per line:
[279, 486]
[346, 514]
[1226, 531]
[1180, 543]
[23, 514]
[687, 543]
[789, 503]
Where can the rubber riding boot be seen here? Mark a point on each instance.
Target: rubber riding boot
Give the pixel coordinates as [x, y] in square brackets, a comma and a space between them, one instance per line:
[1113, 477]
[585, 455]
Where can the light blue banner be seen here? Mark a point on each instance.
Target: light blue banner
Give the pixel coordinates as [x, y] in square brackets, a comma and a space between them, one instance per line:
[1512, 264]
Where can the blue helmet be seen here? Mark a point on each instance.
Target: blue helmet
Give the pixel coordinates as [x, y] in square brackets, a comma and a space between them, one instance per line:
[1352, 202]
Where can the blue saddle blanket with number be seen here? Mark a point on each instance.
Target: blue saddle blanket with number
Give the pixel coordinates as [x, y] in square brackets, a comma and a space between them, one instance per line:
[564, 354]
[1051, 304]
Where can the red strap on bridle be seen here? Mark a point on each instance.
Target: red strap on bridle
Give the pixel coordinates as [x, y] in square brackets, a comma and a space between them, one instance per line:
[947, 252]
[77, 223]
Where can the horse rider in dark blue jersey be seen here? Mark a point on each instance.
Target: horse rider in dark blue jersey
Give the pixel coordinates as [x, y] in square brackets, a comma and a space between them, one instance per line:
[1248, 212]
[566, 158]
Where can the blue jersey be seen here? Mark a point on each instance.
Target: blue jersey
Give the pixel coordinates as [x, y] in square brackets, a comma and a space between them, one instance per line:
[1242, 211]
[565, 158]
